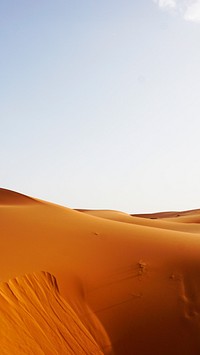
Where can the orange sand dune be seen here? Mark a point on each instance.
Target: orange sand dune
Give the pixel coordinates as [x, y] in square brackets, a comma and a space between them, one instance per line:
[163, 223]
[167, 214]
[125, 287]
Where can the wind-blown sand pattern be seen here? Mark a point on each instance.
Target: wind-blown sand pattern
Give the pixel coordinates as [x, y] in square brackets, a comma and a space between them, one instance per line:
[35, 319]
[97, 282]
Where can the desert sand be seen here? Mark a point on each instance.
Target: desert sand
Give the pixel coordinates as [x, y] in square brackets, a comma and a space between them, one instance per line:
[97, 281]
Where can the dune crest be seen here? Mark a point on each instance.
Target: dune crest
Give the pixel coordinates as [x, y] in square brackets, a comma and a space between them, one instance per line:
[8, 197]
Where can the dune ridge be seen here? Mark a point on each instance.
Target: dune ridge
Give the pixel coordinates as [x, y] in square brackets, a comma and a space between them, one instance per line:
[130, 284]
[11, 198]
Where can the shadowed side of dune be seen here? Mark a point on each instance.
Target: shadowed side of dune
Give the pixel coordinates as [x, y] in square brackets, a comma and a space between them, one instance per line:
[8, 197]
[35, 319]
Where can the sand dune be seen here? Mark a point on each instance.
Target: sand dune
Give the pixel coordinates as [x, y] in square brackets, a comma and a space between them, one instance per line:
[122, 284]
[171, 214]
[171, 223]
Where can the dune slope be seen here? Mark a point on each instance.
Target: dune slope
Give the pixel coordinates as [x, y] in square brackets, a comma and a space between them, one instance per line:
[35, 319]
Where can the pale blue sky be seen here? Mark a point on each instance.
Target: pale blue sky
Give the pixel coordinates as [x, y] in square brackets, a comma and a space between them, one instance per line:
[100, 103]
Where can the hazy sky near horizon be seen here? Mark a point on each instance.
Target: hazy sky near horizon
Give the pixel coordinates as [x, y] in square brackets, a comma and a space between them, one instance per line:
[100, 103]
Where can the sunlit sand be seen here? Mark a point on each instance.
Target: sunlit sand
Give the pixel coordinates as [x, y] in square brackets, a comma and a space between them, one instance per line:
[97, 281]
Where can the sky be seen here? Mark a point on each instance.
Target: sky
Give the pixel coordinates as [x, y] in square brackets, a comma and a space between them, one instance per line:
[99, 102]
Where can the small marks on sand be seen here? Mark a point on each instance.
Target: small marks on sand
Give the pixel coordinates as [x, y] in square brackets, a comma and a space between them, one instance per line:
[188, 297]
[142, 268]
[97, 234]
[175, 277]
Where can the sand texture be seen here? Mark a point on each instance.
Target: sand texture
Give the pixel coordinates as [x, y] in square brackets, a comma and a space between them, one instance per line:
[97, 281]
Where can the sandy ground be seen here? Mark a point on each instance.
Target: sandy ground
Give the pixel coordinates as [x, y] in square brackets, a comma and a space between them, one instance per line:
[97, 282]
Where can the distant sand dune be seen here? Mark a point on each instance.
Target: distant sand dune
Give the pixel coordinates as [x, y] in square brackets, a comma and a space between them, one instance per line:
[171, 223]
[168, 214]
[127, 284]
